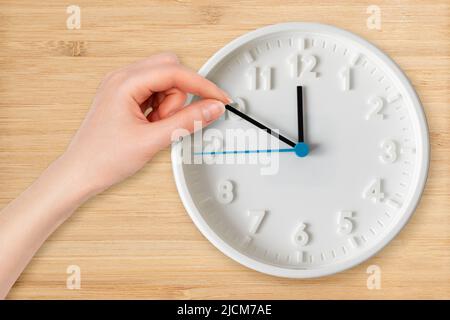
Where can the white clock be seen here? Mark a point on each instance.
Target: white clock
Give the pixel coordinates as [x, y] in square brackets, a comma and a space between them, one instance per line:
[323, 209]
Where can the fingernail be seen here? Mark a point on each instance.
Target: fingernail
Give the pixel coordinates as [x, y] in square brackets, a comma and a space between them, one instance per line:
[213, 111]
[229, 100]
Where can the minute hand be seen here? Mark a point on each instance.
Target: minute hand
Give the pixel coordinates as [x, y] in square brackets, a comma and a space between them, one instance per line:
[259, 125]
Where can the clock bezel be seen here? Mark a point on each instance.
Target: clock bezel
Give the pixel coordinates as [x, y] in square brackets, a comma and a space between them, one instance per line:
[422, 161]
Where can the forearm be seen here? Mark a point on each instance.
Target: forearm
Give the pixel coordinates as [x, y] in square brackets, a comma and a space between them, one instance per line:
[28, 220]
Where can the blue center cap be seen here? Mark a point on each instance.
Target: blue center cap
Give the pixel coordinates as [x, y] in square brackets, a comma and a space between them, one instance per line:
[301, 149]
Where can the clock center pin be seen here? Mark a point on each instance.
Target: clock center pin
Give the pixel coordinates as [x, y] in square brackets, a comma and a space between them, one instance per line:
[301, 149]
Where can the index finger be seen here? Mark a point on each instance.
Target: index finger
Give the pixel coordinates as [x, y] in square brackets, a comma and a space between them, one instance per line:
[142, 83]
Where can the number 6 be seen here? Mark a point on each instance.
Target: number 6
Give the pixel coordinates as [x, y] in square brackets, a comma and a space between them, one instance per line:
[301, 237]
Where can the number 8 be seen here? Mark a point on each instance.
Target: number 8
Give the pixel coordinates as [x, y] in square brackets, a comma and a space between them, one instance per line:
[225, 193]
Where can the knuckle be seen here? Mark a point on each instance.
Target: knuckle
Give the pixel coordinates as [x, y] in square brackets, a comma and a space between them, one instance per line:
[170, 57]
[114, 76]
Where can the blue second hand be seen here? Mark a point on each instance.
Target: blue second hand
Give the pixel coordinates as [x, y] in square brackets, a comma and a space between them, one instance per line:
[301, 150]
[245, 151]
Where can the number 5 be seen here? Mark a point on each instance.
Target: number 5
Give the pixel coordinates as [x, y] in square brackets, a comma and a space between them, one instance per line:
[345, 222]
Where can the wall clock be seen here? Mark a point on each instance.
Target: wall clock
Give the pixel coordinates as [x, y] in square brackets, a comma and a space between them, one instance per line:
[359, 160]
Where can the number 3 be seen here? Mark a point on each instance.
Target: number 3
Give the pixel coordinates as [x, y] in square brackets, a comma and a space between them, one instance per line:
[389, 154]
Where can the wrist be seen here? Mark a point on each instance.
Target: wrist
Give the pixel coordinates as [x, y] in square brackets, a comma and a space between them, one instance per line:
[66, 180]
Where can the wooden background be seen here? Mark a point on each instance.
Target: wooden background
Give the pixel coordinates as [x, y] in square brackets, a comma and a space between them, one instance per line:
[135, 240]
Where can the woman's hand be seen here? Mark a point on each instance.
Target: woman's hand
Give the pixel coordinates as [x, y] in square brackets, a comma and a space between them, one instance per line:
[116, 139]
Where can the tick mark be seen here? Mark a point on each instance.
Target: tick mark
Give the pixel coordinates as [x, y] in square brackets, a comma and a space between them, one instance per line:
[301, 256]
[249, 57]
[353, 242]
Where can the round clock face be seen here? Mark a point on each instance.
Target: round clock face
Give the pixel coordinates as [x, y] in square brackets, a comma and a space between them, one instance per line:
[324, 211]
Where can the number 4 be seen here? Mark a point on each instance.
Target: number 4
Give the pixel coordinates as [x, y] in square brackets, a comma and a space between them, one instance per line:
[373, 191]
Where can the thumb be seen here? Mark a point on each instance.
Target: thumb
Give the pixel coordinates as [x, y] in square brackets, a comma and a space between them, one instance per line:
[193, 116]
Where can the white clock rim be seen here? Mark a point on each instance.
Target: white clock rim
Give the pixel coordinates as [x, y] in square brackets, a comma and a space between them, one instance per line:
[423, 161]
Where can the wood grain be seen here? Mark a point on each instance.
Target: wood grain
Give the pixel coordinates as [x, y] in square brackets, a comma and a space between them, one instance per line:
[135, 240]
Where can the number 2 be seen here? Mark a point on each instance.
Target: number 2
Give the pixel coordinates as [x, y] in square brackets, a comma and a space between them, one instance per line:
[375, 112]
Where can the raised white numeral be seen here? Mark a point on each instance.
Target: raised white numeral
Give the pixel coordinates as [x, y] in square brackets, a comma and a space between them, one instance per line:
[301, 237]
[377, 105]
[373, 191]
[345, 222]
[266, 78]
[259, 78]
[302, 67]
[389, 151]
[225, 192]
[345, 77]
[256, 217]
[252, 74]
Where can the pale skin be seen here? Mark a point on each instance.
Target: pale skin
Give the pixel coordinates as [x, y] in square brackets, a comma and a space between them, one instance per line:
[115, 140]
